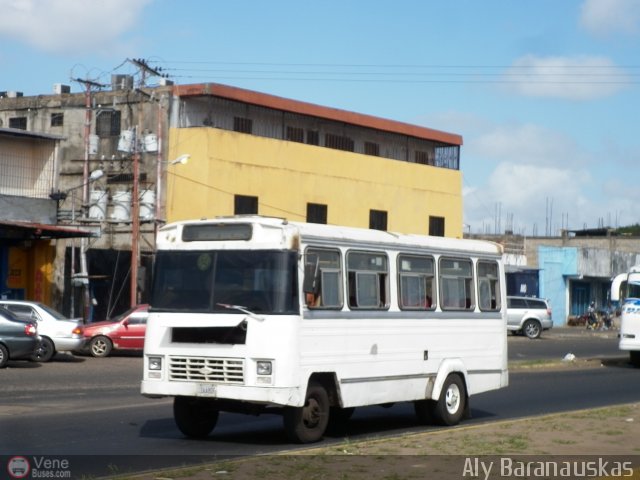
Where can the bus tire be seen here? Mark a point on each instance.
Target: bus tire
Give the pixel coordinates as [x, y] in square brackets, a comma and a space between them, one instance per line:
[450, 407]
[634, 358]
[308, 424]
[195, 417]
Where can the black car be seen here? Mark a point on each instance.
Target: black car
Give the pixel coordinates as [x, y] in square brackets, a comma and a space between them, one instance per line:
[18, 338]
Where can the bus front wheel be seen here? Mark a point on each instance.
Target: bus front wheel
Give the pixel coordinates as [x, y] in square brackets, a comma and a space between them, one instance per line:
[452, 402]
[195, 417]
[307, 424]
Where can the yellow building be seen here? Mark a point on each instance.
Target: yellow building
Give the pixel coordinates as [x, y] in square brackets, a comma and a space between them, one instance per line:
[257, 153]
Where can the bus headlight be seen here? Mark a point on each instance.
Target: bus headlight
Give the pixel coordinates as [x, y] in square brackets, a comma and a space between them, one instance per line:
[264, 367]
[155, 363]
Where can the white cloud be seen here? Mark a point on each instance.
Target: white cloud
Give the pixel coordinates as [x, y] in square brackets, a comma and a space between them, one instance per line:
[571, 78]
[69, 26]
[536, 180]
[605, 17]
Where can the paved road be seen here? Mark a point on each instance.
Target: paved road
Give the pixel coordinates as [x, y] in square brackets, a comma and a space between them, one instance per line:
[76, 406]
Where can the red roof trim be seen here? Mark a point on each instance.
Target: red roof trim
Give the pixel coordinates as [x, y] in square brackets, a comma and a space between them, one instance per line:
[303, 108]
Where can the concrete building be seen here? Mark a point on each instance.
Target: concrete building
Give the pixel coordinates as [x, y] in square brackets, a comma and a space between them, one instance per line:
[248, 152]
[571, 270]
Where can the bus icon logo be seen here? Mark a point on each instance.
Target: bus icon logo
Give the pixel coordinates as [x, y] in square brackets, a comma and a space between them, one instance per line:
[18, 467]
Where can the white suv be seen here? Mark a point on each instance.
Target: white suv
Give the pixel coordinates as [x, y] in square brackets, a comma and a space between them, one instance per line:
[57, 332]
[528, 315]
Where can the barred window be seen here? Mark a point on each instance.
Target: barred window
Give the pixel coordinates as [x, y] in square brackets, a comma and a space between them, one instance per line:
[313, 137]
[18, 122]
[338, 142]
[57, 119]
[371, 148]
[108, 123]
[295, 134]
[241, 124]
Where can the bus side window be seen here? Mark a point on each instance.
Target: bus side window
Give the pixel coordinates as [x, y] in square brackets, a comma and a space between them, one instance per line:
[416, 282]
[368, 280]
[488, 286]
[456, 284]
[322, 274]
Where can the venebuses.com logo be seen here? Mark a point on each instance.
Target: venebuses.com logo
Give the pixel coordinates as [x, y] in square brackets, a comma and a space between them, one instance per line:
[18, 467]
[38, 467]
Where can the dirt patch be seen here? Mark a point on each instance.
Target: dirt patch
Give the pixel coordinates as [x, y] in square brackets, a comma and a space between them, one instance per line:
[450, 452]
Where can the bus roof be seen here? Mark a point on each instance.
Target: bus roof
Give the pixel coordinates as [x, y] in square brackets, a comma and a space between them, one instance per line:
[307, 232]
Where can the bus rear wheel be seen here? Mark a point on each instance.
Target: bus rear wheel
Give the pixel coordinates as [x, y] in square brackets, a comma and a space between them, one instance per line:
[452, 402]
[195, 417]
[307, 424]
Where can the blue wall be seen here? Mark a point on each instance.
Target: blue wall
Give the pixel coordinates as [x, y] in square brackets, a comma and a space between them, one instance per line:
[556, 264]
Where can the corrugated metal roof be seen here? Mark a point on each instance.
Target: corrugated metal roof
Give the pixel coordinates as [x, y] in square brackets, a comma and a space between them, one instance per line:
[17, 132]
[304, 108]
[37, 231]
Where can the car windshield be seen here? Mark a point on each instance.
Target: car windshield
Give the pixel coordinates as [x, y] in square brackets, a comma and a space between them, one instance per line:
[215, 281]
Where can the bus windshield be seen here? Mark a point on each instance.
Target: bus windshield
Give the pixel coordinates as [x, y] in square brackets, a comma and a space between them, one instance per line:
[260, 281]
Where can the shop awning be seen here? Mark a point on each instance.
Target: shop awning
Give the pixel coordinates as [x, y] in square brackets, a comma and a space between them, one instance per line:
[14, 230]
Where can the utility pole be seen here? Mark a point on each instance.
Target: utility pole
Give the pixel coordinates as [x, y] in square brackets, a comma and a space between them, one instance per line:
[145, 70]
[84, 271]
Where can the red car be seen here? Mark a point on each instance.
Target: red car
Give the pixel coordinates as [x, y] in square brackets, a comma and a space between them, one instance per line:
[124, 332]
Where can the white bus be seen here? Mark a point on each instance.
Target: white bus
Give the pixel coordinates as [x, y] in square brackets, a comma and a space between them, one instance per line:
[255, 314]
[625, 289]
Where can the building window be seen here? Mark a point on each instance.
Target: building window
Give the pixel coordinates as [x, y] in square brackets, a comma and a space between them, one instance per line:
[436, 226]
[241, 124]
[57, 119]
[316, 213]
[18, 122]
[295, 134]
[378, 220]
[371, 148]
[423, 158]
[338, 142]
[313, 137]
[108, 123]
[245, 205]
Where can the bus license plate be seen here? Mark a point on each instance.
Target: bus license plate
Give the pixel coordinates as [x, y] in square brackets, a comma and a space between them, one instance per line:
[207, 389]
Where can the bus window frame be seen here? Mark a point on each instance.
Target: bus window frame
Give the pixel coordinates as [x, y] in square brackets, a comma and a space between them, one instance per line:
[382, 280]
[401, 275]
[469, 299]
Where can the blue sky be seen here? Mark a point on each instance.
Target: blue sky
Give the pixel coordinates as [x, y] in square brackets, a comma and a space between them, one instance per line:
[545, 93]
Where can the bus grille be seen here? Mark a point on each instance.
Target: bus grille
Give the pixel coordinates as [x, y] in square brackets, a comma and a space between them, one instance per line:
[205, 369]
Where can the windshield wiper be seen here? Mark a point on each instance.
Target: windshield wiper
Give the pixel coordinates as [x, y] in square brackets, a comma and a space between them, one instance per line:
[242, 309]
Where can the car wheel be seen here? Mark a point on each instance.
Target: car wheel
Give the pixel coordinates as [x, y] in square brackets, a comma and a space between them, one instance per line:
[195, 417]
[634, 358]
[308, 424]
[532, 329]
[452, 402]
[4, 356]
[100, 346]
[44, 350]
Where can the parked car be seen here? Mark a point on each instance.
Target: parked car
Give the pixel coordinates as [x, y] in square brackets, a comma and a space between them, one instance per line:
[57, 332]
[528, 315]
[18, 338]
[124, 332]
